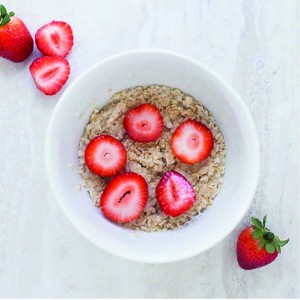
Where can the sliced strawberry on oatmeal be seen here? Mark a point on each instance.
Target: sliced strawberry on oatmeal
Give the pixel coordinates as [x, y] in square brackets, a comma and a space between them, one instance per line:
[105, 155]
[174, 194]
[192, 142]
[144, 123]
[124, 198]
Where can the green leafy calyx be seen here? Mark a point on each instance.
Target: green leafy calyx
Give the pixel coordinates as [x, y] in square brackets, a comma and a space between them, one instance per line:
[265, 237]
[4, 15]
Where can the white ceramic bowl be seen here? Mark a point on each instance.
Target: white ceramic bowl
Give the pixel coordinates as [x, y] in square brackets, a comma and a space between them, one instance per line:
[145, 67]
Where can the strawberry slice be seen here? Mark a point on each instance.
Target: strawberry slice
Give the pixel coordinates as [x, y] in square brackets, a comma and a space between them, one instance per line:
[124, 198]
[50, 73]
[174, 194]
[105, 155]
[144, 123]
[192, 142]
[55, 39]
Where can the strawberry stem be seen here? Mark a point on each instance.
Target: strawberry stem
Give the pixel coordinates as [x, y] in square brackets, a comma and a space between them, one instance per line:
[269, 236]
[4, 15]
[265, 237]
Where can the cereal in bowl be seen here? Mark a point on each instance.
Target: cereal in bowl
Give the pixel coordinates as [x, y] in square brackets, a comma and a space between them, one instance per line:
[163, 130]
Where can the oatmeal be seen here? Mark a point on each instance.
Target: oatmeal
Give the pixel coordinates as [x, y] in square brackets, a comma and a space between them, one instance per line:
[152, 160]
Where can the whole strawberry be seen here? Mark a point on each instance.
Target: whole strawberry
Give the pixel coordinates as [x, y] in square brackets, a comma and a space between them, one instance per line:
[257, 246]
[16, 43]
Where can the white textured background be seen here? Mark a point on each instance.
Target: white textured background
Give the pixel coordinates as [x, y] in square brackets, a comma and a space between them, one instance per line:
[254, 45]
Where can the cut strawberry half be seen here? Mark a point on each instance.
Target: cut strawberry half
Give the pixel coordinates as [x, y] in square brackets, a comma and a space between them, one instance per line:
[144, 123]
[124, 198]
[54, 39]
[50, 73]
[192, 142]
[174, 194]
[105, 155]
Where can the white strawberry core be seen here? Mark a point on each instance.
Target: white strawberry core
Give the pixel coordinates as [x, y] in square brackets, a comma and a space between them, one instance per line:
[125, 200]
[189, 142]
[193, 141]
[178, 192]
[107, 154]
[55, 35]
[49, 72]
[144, 123]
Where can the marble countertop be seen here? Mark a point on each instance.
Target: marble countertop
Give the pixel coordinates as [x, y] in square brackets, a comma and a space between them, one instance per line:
[254, 45]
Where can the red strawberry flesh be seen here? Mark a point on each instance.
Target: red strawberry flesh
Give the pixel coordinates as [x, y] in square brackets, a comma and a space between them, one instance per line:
[192, 142]
[144, 123]
[174, 194]
[55, 39]
[248, 255]
[105, 155]
[16, 43]
[50, 73]
[124, 198]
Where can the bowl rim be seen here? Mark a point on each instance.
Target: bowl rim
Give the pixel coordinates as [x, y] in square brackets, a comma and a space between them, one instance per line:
[252, 128]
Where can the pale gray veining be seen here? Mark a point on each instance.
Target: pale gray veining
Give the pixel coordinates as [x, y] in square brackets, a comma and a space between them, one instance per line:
[254, 45]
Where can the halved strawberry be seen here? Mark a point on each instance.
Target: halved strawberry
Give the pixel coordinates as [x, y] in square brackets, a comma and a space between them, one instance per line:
[105, 155]
[124, 198]
[55, 39]
[50, 73]
[144, 123]
[192, 142]
[174, 194]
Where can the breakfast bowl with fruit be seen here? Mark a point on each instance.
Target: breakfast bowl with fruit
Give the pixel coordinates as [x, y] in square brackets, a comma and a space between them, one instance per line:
[152, 156]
